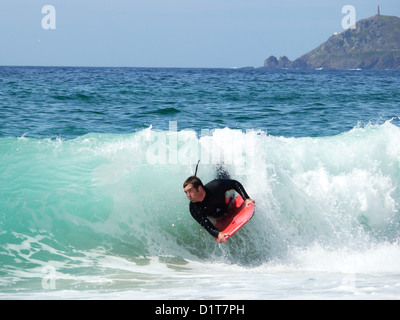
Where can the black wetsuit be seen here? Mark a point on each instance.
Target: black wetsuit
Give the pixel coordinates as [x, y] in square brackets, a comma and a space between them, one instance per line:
[214, 202]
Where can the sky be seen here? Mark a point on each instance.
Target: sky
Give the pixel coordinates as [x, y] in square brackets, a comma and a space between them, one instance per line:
[171, 33]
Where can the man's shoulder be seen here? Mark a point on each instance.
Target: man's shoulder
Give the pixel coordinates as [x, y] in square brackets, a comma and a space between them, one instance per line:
[211, 183]
[218, 182]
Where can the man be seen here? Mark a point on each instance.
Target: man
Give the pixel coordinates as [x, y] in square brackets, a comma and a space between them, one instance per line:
[209, 200]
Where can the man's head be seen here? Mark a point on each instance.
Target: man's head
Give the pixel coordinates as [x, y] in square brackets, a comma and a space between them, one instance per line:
[194, 189]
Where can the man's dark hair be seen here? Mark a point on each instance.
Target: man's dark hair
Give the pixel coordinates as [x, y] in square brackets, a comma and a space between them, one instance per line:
[196, 182]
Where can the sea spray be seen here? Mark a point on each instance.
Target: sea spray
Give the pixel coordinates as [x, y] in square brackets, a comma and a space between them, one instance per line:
[64, 200]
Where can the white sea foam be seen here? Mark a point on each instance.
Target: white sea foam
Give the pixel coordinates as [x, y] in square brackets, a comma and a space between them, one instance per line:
[114, 224]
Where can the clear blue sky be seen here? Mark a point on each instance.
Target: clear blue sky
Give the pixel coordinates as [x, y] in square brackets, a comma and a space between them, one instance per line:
[171, 33]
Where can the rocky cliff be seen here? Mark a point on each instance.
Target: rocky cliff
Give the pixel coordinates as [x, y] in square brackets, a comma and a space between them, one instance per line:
[373, 44]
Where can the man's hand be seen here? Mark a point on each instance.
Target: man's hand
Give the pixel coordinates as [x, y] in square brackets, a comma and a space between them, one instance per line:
[248, 201]
[221, 237]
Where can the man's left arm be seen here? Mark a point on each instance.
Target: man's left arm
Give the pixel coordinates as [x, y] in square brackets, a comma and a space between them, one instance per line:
[238, 187]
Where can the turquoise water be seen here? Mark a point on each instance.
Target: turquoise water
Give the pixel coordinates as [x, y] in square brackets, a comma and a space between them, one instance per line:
[92, 162]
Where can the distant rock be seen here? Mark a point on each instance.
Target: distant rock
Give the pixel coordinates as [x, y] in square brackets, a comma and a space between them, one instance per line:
[373, 44]
[273, 63]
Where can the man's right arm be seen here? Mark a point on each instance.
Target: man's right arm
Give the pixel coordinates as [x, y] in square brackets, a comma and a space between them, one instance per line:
[202, 219]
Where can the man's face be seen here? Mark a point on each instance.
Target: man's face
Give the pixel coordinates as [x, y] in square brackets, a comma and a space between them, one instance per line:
[191, 193]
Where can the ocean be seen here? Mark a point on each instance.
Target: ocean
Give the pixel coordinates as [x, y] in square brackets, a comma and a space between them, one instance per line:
[92, 162]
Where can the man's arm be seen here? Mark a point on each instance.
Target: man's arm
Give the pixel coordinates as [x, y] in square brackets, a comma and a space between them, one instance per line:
[237, 186]
[230, 184]
[202, 219]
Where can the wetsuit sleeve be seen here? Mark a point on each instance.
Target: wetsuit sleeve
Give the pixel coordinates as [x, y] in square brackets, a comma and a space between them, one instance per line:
[204, 221]
[237, 186]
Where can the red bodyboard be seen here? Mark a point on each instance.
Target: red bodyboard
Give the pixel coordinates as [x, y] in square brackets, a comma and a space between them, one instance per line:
[238, 215]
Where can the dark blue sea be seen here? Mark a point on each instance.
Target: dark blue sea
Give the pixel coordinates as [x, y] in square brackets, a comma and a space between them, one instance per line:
[92, 162]
[48, 102]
